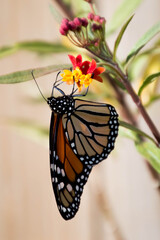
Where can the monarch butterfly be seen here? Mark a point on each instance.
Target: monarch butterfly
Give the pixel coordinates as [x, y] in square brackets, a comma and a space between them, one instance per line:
[82, 134]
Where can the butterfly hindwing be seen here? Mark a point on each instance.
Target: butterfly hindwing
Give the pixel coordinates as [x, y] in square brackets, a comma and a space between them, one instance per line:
[91, 130]
[68, 174]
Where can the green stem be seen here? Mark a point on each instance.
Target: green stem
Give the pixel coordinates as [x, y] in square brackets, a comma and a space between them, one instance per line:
[92, 9]
[135, 129]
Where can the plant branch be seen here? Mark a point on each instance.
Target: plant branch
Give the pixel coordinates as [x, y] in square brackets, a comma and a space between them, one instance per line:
[66, 9]
[125, 110]
[137, 101]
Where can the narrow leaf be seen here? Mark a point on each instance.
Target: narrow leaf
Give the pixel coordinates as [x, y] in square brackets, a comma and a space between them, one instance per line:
[42, 47]
[127, 133]
[23, 76]
[136, 130]
[7, 50]
[121, 14]
[147, 81]
[144, 40]
[34, 46]
[151, 153]
[120, 35]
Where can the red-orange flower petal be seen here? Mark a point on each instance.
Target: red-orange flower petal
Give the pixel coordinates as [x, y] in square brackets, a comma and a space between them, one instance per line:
[92, 66]
[79, 60]
[98, 78]
[83, 72]
[99, 70]
[76, 62]
[85, 66]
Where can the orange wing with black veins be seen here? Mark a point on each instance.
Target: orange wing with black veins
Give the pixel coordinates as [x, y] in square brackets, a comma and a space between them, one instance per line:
[68, 174]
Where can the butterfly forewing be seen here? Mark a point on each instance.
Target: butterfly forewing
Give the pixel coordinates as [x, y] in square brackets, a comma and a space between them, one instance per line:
[91, 130]
[68, 174]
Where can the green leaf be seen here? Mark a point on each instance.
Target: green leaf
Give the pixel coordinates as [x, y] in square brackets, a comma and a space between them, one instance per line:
[147, 81]
[23, 76]
[151, 153]
[124, 132]
[7, 50]
[41, 47]
[136, 130]
[120, 35]
[144, 40]
[123, 12]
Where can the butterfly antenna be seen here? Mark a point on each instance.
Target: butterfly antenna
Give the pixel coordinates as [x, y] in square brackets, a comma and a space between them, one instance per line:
[55, 83]
[82, 95]
[60, 90]
[38, 86]
[73, 89]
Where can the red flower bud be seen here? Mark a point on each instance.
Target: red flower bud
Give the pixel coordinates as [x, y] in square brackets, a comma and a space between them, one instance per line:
[90, 16]
[64, 28]
[62, 31]
[84, 22]
[77, 22]
[64, 21]
[102, 20]
[72, 26]
[96, 27]
[97, 18]
[96, 43]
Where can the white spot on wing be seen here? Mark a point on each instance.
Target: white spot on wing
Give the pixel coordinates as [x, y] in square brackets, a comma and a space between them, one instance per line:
[52, 167]
[62, 185]
[62, 172]
[58, 170]
[69, 187]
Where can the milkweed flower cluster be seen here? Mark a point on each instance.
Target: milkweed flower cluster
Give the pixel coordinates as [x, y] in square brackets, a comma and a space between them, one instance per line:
[84, 32]
[83, 72]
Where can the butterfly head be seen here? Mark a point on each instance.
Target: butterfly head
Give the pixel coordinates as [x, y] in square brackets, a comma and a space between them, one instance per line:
[61, 105]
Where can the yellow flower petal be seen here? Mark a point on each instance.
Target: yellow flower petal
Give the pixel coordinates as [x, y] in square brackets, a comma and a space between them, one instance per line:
[76, 76]
[67, 76]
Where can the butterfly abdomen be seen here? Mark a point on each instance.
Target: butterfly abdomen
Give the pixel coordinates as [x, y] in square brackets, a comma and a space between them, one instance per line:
[62, 105]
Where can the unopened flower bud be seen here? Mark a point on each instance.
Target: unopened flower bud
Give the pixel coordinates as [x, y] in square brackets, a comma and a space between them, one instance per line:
[96, 27]
[64, 28]
[72, 26]
[97, 18]
[84, 22]
[77, 22]
[64, 21]
[62, 31]
[96, 43]
[90, 16]
[102, 20]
